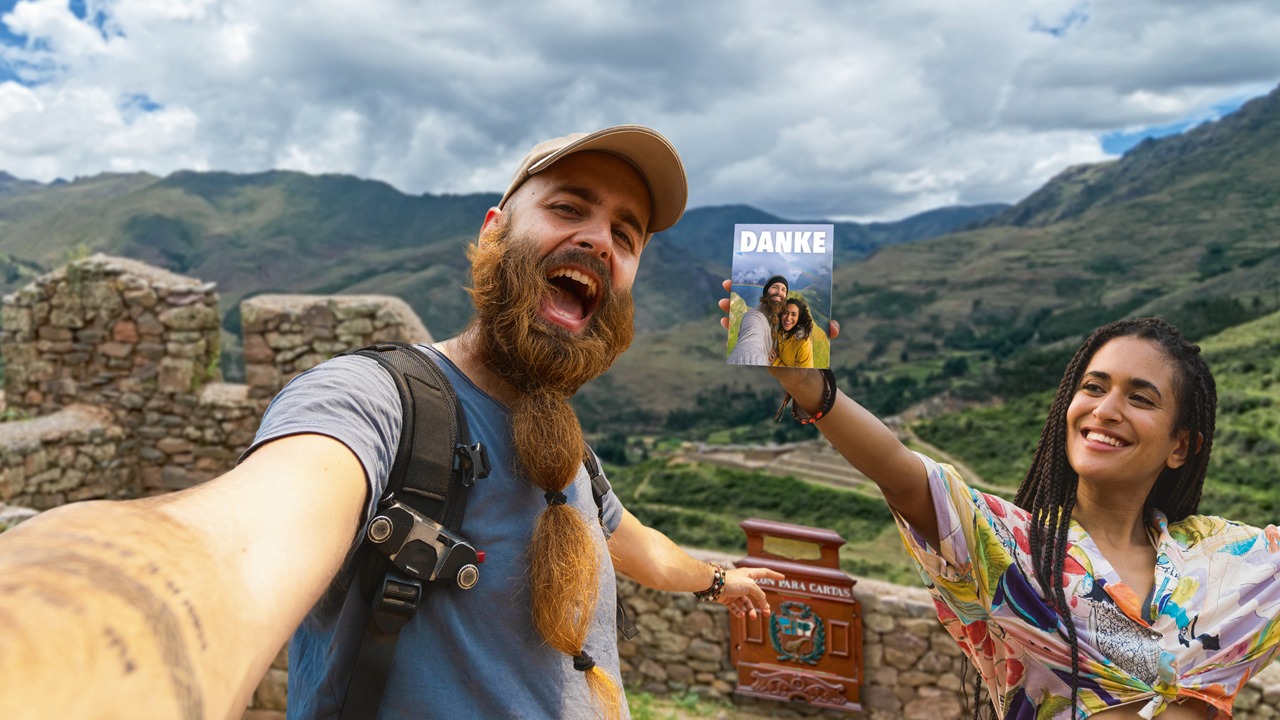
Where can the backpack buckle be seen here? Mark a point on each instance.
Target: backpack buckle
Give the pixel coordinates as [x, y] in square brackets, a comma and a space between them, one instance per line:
[473, 461]
[396, 601]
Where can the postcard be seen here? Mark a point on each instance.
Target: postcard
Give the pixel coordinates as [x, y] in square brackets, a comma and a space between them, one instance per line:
[780, 301]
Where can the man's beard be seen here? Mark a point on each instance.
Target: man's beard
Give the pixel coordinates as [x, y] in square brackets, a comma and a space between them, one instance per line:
[509, 284]
[547, 364]
[771, 308]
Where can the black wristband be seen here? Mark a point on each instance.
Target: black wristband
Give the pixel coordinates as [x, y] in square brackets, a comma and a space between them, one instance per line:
[828, 400]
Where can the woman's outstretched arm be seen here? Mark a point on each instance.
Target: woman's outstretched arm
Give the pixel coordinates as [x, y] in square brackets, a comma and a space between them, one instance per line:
[869, 446]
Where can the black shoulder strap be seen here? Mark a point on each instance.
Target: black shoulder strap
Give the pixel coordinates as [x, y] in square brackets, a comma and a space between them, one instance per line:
[599, 485]
[436, 464]
[599, 488]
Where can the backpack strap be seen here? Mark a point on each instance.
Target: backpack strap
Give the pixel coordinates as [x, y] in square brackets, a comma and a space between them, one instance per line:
[415, 528]
[599, 485]
[599, 488]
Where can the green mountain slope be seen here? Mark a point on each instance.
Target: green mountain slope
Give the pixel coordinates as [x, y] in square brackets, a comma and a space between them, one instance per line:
[1184, 227]
[291, 232]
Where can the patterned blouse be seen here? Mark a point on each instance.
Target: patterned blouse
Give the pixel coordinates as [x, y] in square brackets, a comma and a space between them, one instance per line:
[1210, 623]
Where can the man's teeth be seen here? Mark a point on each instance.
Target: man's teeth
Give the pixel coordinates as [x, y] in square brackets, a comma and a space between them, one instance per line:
[1099, 437]
[577, 276]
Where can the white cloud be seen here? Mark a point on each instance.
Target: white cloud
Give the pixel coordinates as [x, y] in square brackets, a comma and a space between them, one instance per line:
[808, 109]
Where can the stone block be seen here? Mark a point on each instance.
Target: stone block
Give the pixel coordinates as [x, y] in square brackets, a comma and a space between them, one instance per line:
[653, 670]
[879, 622]
[174, 446]
[55, 334]
[280, 341]
[16, 319]
[142, 297]
[186, 349]
[702, 650]
[66, 318]
[176, 478]
[149, 325]
[257, 375]
[932, 704]
[256, 349]
[189, 317]
[176, 375]
[356, 327]
[882, 699]
[115, 349]
[101, 299]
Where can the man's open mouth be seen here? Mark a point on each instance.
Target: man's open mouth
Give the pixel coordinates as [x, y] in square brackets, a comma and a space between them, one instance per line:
[574, 296]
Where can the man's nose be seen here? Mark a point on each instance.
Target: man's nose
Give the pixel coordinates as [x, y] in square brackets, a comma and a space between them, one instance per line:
[596, 238]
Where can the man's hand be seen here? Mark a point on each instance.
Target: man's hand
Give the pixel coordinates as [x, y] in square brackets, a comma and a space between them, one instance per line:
[651, 559]
[742, 595]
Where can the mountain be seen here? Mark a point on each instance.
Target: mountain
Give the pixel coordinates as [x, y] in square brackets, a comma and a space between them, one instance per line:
[291, 232]
[978, 302]
[10, 185]
[1186, 227]
[1200, 167]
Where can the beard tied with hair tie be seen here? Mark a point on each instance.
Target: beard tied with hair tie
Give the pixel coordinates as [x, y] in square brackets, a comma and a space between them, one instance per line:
[548, 364]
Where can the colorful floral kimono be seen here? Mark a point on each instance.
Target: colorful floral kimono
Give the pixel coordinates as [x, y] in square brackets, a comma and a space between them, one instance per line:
[1209, 624]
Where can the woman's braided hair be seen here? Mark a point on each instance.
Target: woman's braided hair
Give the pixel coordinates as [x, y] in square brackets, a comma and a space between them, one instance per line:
[1048, 491]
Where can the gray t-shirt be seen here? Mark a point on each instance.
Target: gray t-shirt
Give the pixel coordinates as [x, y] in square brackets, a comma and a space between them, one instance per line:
[755, 338]
[468, 653]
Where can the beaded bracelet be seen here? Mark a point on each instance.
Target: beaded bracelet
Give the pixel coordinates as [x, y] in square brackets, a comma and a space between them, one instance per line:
[712, 594]
[828, 400]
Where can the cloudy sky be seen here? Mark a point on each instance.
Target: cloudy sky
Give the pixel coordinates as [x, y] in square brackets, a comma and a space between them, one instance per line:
[860, 109]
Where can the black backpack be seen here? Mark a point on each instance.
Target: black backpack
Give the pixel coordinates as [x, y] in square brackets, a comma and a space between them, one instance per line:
[415, 528]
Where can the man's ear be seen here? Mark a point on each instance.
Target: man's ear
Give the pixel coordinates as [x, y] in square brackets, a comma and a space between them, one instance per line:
[491, 219]
[1180, 451]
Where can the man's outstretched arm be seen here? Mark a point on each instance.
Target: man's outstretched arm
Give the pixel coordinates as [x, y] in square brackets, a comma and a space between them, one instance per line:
[174, 606]
[651, 559]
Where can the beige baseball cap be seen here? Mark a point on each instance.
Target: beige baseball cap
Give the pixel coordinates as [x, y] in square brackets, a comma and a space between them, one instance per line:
[646, 150]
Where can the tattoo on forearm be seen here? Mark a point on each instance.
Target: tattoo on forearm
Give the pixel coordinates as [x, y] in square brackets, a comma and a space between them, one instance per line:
[158, 612]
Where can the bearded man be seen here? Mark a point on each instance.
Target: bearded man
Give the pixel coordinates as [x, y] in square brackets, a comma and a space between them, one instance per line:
[756, 343]
[175, 606]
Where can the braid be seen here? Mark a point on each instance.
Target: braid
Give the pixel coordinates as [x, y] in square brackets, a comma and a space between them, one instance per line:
[1048, 491]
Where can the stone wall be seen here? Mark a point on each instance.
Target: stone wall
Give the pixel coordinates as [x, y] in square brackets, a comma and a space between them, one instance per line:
[911, 666]
[111, 366]
[287, 334]
[68, 456]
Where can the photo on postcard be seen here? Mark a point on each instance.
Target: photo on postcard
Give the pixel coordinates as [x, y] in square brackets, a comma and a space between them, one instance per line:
[780, 300]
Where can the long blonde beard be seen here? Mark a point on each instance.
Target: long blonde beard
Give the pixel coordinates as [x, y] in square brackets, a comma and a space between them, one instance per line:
[548, 366]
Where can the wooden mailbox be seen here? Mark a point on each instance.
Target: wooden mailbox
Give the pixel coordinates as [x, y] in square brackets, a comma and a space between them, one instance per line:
[810, 649]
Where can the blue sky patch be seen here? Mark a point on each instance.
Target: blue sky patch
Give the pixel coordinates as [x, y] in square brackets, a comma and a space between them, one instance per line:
[1121, 141]
[1075, 18]
[138, 104]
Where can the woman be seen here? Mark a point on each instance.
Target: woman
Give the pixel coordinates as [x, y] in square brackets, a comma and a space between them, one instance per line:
[1098, 592]
[795, 335]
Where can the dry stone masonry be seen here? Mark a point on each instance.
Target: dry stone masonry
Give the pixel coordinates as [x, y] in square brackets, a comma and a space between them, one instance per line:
[113, 391]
